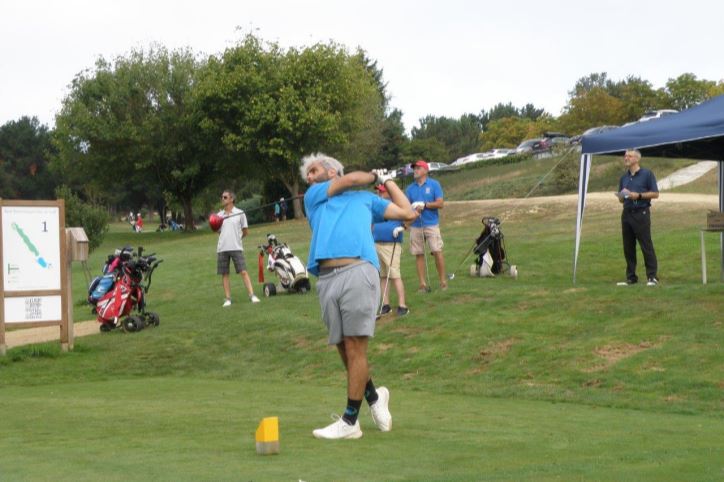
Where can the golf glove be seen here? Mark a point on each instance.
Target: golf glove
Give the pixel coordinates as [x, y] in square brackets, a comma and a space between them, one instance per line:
[381, 176]
[418, 205]
[397, 231]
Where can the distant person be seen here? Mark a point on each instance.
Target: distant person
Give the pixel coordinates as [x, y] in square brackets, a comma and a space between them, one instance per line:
[230, 247]
[283, 208]
[426, 197]
[388, 238]
[636, 189]
[139, 223]
[277, 212]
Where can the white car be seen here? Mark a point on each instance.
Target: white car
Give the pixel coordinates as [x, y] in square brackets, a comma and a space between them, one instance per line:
[498, 153]
[656, 114]
[480, 156]
[439, 166]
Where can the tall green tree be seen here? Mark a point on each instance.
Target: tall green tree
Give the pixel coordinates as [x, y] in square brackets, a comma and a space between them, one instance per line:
[136, 119]
[687, 91]
[270, 107]
[25, 149]
[459, 136]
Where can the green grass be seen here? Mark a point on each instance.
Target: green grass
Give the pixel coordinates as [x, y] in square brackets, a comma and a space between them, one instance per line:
[534, 177]
[193, 429]
[495, 379]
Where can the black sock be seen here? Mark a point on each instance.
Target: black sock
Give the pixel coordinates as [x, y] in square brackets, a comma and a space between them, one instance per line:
[370, 392]
[352, 411]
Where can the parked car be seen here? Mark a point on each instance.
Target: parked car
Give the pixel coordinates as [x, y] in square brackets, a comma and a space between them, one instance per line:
[440, 166]
[479, 156]
[499, 152]
[593, 130]
[656, 114]
[533, 146]
[403, 171]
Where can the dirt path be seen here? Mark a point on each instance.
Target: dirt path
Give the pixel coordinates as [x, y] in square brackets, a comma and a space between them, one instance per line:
[48, 333]
[593, 200]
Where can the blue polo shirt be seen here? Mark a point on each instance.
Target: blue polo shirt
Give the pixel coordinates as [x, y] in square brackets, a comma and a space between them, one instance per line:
[427, 192]
[341, 224]
[643, 181]
[382, 232]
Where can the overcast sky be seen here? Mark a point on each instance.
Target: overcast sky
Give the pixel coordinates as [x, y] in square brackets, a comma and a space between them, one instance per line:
[446, 57]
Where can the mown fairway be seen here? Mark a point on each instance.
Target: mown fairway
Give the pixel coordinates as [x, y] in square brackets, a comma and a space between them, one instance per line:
[494, 379]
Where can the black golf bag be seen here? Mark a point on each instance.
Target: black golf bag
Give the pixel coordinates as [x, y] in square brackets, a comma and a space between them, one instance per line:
[490, 250]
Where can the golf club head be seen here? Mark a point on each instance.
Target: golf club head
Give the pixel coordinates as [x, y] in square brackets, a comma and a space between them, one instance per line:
[451, 276]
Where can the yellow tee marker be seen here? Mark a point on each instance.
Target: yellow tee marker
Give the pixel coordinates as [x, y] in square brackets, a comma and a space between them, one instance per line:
[267, 436]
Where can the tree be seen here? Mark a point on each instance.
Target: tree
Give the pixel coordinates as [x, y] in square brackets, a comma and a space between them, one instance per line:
[393, 140]
[510, 131]
[687, 91]
[270, 107]
[594, 108]
[458, 136]
[637, 97]
[24, 152]
[136, 120]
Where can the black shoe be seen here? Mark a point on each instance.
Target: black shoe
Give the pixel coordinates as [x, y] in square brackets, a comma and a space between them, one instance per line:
[385, 309]
[403, 310]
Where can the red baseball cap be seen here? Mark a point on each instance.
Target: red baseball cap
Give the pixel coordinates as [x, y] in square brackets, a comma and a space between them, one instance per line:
[421, 163]
[381, 188]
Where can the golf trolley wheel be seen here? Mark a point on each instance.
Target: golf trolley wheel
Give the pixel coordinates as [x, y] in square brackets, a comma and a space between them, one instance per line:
[152, 319]
[106, 327]
[132, 324]
[270, 289]
[514, 271]
[473, 270]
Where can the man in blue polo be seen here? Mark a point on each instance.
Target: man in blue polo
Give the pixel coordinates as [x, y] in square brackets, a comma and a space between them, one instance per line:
[636, 189]
[426, 197]
[342, 254]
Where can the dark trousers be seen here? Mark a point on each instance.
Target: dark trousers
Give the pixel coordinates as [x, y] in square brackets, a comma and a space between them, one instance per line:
[636, 226]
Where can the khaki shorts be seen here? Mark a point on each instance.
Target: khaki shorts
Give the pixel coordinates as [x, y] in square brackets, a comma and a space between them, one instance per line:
[432, 236]
[387, 262]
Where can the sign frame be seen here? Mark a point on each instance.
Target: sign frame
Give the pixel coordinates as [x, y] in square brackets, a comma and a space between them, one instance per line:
[64, 321]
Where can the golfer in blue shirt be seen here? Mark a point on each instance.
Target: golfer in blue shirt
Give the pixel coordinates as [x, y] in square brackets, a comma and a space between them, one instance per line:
[342, 254]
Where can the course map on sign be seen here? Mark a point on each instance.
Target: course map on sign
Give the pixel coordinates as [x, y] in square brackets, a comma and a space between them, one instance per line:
[31, 248]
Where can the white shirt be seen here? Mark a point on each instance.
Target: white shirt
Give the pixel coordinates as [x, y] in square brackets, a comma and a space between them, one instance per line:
[230, 234]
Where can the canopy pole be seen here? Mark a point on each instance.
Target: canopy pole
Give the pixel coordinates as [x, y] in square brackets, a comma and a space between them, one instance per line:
[583, 175]
[721, 209]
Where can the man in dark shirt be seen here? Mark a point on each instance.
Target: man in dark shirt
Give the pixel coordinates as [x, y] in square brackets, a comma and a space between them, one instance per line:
[636, 189]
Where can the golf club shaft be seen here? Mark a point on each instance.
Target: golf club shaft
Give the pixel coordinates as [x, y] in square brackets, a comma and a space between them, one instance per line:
[387, 282]
[262, 206]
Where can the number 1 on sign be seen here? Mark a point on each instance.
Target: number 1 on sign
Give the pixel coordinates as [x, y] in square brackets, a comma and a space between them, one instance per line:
[45, 227]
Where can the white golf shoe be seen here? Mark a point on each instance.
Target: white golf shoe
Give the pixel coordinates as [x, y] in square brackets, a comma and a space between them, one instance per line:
[227, 303]
[380, 410]
[338, 430]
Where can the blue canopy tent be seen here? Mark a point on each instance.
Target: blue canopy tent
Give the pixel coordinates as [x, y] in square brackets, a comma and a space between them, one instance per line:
[696, 133]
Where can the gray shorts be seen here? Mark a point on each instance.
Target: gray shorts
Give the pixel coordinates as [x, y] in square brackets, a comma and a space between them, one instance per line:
[349, 296]
[223, 260]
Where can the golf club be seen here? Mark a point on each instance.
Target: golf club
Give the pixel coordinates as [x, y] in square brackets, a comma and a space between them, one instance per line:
[451, 276]
[215, 221]
[387, 281]
[424, 253]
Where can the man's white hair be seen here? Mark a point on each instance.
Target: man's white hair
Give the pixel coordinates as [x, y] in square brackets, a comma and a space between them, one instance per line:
[327, 161]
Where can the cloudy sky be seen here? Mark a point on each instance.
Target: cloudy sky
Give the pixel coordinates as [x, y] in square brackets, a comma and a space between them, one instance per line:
[439, 57]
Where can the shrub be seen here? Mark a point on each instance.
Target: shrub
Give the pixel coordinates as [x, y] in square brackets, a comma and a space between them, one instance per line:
[93, 219]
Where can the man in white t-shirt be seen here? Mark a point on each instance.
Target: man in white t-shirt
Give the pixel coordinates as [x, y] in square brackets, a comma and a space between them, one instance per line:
[230, 247]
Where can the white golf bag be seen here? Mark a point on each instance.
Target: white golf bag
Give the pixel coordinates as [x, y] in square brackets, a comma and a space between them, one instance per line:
[289, 269]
